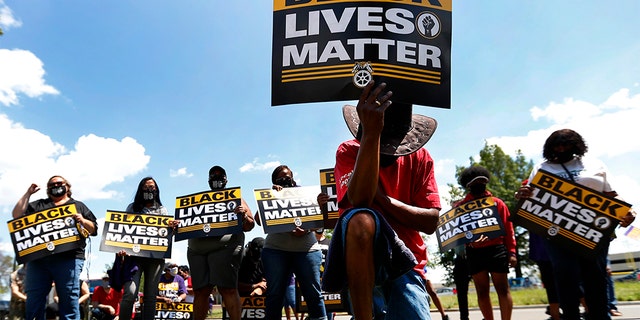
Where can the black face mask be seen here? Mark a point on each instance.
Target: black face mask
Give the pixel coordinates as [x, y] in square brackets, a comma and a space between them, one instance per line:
[562, 157]
[285, 182]
[477, 189]
[57, 191]
[217, 182]
[149, 196]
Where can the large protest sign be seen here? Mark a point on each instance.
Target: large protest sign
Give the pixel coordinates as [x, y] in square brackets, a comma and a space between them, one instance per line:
[208, 213]
[139, 234]
[283, 211]
[465, 223]
[44, 233]
[328, 186]
[328, 50]
[569, 214]
[252, 308]
[175, 310]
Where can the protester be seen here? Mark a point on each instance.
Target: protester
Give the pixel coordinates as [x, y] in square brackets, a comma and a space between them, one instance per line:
[18, 295]
[52, 310]
[146, 201]
[185, 273]
[215, 261]
[461, 279]
[538, 254]
[564, 153]
[295, 251]
[386, 188]
[61, 268]
[489, 259]
[251, 280]
[105, 301]
[171, 287]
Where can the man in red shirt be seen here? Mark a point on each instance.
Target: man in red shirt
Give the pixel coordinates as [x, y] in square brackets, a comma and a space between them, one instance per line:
[386, 190]
[105, 301]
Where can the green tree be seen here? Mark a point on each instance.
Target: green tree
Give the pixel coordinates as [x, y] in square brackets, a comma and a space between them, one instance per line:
[507, 174]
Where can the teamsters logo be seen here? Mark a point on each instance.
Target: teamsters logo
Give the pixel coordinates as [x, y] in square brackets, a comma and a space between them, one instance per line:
[362, 74]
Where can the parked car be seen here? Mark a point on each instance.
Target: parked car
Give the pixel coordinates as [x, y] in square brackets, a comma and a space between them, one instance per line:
[445, 291]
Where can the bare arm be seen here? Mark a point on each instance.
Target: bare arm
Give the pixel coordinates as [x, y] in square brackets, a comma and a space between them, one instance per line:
[364, 180]
[247, 217]
[21, 206]
[421, 219]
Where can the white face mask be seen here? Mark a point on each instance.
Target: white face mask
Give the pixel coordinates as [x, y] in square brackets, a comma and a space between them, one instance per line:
[173, 271]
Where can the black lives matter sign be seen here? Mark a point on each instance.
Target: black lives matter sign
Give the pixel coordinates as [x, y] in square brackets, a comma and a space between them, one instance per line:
[44, 233]
[328, 186]
[252, 308]
[138, 234]
[576, 217]
[283, 211]
[208, 213]
[175, 310]
[328, 50]
[467, 222]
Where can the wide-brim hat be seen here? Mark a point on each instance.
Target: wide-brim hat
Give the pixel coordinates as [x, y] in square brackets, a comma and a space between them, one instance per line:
[403, 133]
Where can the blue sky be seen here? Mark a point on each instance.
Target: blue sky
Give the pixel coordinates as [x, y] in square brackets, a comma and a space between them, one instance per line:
[108, 92]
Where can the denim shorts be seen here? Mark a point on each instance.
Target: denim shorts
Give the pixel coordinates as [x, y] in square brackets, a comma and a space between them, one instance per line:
[402, 298]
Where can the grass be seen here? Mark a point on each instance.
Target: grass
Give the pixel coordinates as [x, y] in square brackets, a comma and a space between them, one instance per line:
[625, 291]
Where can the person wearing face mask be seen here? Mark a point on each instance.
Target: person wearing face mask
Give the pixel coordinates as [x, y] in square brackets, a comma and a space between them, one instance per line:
[105, 301]
[296, 251]
[564, 153]
[147, 201]
[62, 268]
[171, 287]
[489, 259]
[215, 260]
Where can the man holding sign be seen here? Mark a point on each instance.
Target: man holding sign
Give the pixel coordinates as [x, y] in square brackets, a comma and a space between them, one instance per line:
[386, 189]
[215, 260]
[563, 152]
[60, 267]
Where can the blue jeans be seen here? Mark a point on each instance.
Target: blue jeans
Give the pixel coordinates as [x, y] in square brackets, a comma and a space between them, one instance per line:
[65, 272]
[404, 297]
[278, 266]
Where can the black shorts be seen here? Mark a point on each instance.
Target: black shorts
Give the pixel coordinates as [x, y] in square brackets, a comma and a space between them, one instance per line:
[491, 259]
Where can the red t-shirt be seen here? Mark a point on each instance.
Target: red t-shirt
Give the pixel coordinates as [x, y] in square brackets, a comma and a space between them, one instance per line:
[111, 298]
[410, 180]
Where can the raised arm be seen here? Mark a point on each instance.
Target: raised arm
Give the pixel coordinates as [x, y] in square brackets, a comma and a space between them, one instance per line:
[21, 206]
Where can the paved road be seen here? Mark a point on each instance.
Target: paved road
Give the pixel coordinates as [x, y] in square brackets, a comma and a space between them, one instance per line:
[630, 310]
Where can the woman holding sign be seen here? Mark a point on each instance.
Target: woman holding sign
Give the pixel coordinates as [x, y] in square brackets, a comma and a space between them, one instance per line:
[295, 251]
[489, 259]
[564, 152]
[61, 268]
[147, 201]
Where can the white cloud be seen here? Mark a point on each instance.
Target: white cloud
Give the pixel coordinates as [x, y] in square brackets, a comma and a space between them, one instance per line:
[91, 166]
[22, 73]
[182, 172]
[257, 166]
[7, 20]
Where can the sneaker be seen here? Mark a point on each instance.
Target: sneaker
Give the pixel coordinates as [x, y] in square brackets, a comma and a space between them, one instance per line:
[446, 317]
